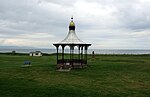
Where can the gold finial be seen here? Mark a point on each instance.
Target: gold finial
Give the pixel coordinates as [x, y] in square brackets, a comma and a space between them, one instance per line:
[72, 23]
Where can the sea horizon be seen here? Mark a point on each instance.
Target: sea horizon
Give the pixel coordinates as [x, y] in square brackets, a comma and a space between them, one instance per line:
[96, 51]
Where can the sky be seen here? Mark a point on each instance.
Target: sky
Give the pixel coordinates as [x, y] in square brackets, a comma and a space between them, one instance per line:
[106, 24]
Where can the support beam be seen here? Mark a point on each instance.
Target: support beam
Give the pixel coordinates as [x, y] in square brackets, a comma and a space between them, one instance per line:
[63, 54]
[79, 52]
[71, 54]
[85, 50]
[57, 46]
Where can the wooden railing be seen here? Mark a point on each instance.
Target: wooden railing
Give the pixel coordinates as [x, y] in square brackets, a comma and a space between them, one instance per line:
[71, 62]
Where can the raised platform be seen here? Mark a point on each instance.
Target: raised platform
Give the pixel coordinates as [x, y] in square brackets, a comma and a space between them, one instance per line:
[67, 64]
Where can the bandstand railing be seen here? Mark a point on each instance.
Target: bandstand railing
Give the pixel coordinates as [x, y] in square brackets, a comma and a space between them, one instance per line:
[72, 61]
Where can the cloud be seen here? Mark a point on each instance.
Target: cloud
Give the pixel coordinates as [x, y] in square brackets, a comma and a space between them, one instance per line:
[104, 23]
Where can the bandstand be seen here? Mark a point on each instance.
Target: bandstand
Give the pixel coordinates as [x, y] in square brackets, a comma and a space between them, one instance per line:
[72, 41]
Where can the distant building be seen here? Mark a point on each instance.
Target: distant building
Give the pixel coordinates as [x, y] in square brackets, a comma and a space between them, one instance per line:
[36, 53]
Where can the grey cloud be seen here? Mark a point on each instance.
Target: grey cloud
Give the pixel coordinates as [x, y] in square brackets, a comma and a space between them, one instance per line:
[134, 14]
[28, 17]
[112, 21]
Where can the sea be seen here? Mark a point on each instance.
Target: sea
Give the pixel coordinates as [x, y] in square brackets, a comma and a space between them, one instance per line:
[96, 51]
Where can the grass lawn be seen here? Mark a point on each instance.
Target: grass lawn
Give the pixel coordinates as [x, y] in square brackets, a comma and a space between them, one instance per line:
[106, 76]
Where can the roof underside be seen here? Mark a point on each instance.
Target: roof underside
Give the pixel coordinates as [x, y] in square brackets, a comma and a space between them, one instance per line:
[72, 39]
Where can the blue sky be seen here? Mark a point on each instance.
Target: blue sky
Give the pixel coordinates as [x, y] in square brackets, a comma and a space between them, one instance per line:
[107, 24]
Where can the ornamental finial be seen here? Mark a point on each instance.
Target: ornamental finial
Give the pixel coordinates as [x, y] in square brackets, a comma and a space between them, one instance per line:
[72, 18]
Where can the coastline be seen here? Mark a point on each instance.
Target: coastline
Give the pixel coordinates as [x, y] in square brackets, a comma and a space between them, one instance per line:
[97, 51]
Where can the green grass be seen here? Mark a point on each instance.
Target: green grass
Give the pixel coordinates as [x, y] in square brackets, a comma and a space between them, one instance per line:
[106, 76]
